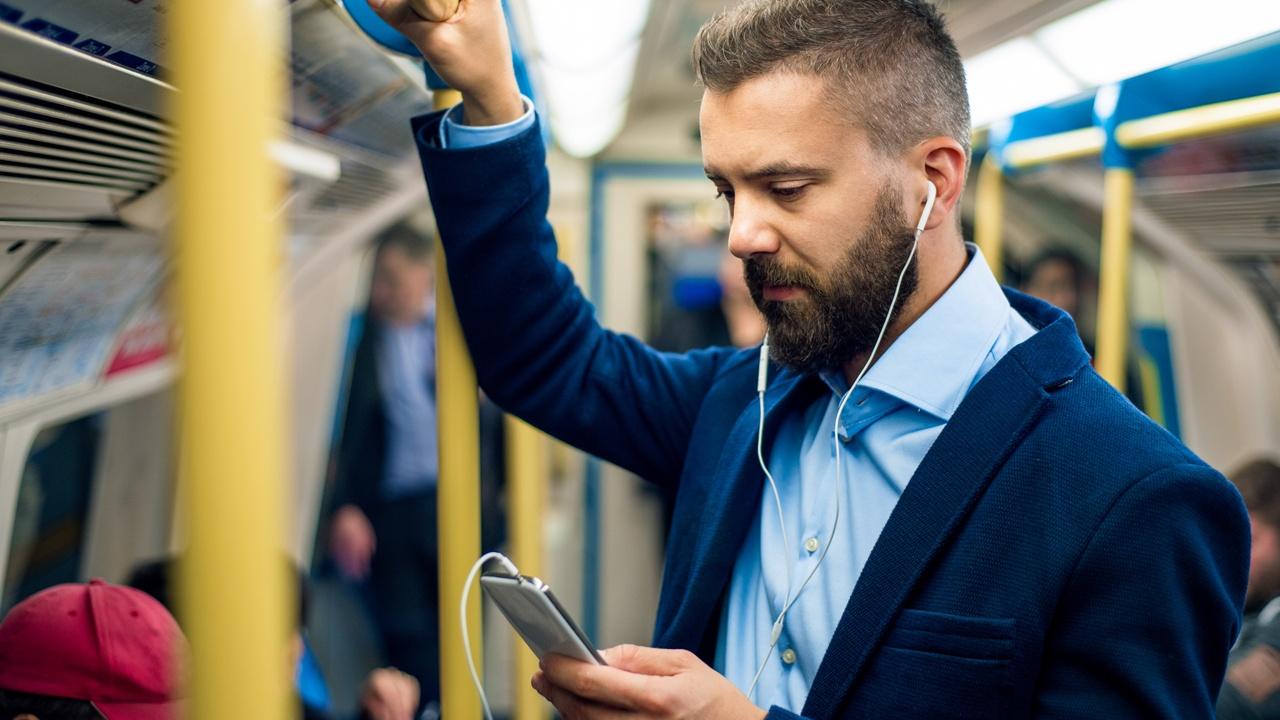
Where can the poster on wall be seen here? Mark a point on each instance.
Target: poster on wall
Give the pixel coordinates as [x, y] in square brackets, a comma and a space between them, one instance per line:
[59, 320]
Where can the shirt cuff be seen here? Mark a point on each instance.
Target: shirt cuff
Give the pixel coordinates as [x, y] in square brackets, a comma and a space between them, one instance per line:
[453, 134]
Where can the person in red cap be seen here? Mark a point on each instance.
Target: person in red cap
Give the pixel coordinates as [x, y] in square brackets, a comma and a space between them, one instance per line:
[90, 651]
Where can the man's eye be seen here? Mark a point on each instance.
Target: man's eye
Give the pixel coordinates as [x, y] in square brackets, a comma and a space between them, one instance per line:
[789, 192]
[726, 194]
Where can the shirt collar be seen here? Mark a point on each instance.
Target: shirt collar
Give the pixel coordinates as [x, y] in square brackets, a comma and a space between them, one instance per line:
[932, 365]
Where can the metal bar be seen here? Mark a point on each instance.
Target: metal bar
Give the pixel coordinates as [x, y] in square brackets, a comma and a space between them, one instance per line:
[458, 489]
[235, 593]
[1082, 143]
[988, 214]
[1113, 283]
[526, 482]
[1200, 121]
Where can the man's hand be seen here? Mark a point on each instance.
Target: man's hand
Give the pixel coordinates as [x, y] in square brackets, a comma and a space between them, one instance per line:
[641, 682]
[470, 51]
[389, 694]
[352, 542]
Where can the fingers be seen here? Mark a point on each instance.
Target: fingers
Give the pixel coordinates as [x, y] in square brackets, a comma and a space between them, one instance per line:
[647, 660]
[572, 707]
[434, 10]
[610, 685]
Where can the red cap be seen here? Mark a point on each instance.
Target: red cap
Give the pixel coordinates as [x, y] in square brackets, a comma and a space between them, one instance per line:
[113, 646]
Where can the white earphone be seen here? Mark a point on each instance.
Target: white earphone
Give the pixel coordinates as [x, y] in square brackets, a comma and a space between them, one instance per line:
[762, 377]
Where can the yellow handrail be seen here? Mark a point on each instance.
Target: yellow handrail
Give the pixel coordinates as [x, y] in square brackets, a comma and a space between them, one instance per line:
[988, 214]
[234, 592]
[1113, 282]
[458, 489]
[1195, 122]
[1071, 145]
[526, 481]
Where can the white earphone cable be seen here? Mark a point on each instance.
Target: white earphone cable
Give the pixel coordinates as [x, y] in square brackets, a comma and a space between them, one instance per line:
[462, 617]
[789, 599]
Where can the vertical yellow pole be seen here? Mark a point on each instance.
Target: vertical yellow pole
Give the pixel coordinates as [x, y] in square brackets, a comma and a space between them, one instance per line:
[526, 480]
[228, 59]
[1113, 283]
[988, 215]
[458, 490]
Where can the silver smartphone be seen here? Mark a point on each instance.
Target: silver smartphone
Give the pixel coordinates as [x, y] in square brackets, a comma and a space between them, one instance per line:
[538, 617]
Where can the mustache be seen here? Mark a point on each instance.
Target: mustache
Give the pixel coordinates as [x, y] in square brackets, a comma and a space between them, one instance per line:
[762, 271]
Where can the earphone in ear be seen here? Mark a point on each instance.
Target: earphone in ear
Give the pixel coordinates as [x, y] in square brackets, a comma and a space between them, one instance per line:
[928, 207]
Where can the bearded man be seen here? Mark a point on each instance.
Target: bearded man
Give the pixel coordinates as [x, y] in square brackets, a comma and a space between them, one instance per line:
[928, 505]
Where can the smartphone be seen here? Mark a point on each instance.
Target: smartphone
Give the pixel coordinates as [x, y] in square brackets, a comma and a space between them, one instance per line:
[538, 617]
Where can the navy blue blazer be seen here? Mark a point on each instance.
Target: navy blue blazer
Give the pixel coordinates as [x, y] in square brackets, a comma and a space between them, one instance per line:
[1056, 554]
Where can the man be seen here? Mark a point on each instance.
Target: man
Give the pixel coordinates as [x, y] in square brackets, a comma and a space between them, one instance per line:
[1005, 518]
[88, 652]
[1252, 688]
[384, 526]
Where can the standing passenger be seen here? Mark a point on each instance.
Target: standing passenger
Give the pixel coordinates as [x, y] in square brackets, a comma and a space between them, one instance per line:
[384, 527]
[991, 531]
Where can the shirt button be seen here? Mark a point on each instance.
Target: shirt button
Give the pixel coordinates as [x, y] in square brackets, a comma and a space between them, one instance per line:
[811, 544]
[788, 657]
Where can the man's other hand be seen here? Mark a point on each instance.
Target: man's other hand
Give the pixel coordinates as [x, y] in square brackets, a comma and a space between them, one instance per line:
[352, 542]
[641, 682]
[470, 51]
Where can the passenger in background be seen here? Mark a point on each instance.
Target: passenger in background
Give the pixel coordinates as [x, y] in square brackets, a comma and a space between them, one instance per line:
[382, 531]
[88, 652]
[388, 694]
[383, 528]
[746, 324]
[1252, 688]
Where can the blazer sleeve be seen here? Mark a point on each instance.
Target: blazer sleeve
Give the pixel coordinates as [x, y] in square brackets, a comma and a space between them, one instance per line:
[538, 349]
[1153, 605]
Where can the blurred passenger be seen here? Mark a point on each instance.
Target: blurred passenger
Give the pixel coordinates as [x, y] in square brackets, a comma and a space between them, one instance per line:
[383, 528]
[746, 324]
[1252, 689]
[984, 530]
[87, 652]
[1057, 276]
[388, 694]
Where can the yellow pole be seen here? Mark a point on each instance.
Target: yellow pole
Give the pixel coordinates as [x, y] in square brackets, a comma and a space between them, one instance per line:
[526, 473]
[1113, 283]
[227, 60]
[458, 490]
[988, 217]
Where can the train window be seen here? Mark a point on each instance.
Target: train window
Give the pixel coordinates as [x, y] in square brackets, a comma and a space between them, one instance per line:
[52, 512]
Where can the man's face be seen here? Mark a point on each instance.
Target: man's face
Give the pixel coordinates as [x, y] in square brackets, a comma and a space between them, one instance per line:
[1264, 564]
[817, 218]
[398, 294]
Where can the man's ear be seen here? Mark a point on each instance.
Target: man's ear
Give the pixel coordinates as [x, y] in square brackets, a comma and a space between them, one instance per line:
[944, 163]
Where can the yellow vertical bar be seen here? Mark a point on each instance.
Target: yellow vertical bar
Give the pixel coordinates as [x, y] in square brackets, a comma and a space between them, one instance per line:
[458, 491]
[988, 214]
[526, 482]
[1113, 283]
[228, 59]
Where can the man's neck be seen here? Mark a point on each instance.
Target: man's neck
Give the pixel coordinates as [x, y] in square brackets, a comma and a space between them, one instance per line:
[940, 262]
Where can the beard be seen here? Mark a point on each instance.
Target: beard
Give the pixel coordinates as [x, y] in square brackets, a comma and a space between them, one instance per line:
[839, 317]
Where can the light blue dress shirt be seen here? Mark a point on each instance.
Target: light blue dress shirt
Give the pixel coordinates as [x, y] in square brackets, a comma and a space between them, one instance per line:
[406, 381]
[888, 425]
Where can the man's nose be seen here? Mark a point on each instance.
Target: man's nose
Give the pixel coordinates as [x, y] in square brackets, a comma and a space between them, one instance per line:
[750, 233]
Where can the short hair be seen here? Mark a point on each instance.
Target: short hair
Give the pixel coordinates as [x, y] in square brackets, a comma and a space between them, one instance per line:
[45, 707]
[892, 65]
[1259, 483]
[413, 244]
[1056, 253]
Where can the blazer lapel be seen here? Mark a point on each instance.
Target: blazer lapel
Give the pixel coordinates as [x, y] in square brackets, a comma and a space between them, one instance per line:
[991, 421]
[730, 505]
